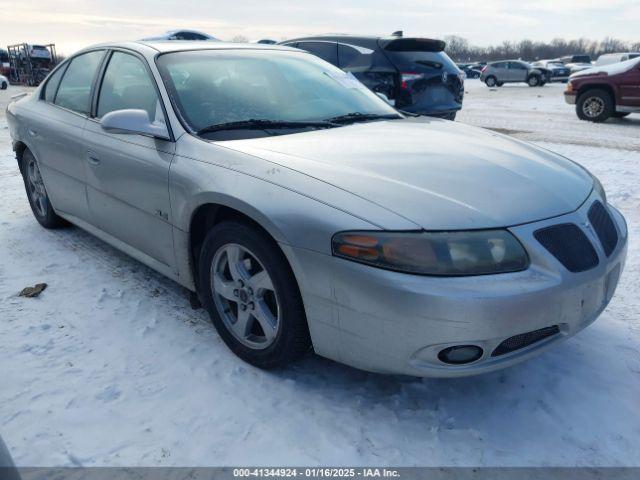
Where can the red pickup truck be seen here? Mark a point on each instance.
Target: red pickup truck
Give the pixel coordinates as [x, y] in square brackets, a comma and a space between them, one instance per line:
[607, 91]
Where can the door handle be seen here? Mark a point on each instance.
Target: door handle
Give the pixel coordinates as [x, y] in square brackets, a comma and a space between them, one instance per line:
[33, 133]
[92, 159]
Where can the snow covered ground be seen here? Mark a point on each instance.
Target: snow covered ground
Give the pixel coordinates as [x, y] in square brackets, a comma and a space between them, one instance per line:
[110, 365]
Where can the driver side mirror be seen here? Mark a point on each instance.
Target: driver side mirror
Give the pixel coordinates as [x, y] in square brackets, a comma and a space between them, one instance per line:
[133, 121]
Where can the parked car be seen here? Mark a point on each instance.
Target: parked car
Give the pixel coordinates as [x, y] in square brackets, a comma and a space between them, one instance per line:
[182, 35]
[267, 41]
[605, 91]
[413, 73]
[4, 82]
[307, 212]
[471, 70]
[4, 62]
[576, 63]
[496, 74]
[558, 71]
[609, 58]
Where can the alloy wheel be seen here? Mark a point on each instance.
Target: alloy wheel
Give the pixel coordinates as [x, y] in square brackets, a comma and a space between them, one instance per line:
[245, 296]
[36, 188]
[593, 107]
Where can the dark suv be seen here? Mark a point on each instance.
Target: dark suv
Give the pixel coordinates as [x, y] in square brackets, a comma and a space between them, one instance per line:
[413, 73]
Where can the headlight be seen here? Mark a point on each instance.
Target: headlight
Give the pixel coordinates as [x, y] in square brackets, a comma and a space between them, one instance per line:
[476, 252]
[597, 186]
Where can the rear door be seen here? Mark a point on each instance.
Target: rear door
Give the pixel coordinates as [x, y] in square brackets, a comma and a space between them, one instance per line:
[517, 72]
[501, 71]
[56, 132]
[630, 88]
[128, 174]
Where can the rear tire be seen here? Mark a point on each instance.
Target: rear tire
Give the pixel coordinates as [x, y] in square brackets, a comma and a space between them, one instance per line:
[491, 81]
[3, 86]
[37, 193]
[595, 105]
[242, 272]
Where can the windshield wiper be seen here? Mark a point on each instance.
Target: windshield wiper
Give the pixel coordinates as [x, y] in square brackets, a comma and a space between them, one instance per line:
[264, 124]
[363, 117]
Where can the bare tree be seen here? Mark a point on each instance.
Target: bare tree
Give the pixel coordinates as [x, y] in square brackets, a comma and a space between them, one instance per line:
[460, 50]
[240, 39]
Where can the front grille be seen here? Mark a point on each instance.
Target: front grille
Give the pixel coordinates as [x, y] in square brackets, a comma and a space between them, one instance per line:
[604, 227]
[569, 245]
[517, 342]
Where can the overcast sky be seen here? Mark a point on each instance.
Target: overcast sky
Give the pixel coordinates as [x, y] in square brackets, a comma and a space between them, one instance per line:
[73, 24]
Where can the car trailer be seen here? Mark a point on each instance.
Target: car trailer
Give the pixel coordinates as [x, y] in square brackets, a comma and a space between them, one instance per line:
[30, 64]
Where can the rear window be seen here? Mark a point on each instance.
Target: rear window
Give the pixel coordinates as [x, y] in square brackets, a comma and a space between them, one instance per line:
[421, 61]
[581, 59]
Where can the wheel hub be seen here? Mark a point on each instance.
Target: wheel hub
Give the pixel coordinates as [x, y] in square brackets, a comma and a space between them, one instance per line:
[245, 296]
[593, 107]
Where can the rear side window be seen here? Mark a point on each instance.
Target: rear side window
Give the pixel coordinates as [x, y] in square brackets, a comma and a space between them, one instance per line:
[52, 84]
[74, 92]
[127, 84]
[327, 51]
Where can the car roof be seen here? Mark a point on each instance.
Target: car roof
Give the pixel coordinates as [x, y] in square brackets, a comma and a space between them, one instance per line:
[164, 46]
[361, 40]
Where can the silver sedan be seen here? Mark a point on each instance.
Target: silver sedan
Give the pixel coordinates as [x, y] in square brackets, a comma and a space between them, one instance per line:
[309, 214]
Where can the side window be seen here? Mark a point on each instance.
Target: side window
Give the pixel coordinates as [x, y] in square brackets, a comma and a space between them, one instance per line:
[74, 92]
[348, 56]
[127, 84]
[517, 66]
[188, 36]
[325, 50]
[51, 87]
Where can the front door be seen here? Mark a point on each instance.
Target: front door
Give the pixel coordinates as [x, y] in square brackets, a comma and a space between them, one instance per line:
[630, 89]
[127, 174]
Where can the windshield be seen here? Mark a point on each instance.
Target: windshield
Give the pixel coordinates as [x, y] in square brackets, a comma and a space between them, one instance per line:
[213, 87]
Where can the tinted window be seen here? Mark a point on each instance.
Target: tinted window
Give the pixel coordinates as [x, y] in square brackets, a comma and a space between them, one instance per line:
[517, 66]
[499, 65]
[75, 88]
[325, 50]
[188, 36]
[52, 84]
[127, 84]
[422, 61]
[347, 55]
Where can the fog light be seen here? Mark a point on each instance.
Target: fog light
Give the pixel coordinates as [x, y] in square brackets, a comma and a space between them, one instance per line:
[460, 354]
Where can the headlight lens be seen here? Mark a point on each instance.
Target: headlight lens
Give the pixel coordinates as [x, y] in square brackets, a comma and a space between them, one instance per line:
[478, 252]
[597, 186]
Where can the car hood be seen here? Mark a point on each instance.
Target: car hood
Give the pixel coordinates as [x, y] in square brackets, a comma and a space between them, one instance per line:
[438, 174]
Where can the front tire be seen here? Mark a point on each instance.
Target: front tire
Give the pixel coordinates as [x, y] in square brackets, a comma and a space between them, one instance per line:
[3, 86]
[533, 81]
[594, 105]
[251, 294]
[37, 193]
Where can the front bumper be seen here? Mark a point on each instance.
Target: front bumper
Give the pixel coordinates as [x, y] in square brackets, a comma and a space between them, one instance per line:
[390, 322]
[570, 98]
